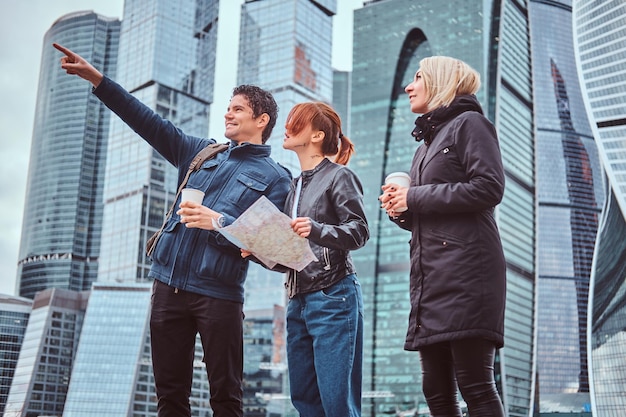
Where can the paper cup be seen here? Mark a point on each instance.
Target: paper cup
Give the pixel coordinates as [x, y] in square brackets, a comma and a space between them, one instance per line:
[401, 179]
[191, 194]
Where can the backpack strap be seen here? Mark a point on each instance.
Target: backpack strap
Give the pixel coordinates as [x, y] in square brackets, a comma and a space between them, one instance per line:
[204, 155]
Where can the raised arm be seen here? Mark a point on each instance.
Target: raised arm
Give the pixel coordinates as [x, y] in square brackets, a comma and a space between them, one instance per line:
[75, 64]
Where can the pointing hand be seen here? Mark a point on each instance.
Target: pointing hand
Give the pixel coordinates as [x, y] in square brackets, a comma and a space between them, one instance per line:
[74, 64]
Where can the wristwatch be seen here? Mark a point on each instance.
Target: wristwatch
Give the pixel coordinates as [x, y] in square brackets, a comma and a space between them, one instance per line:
[219, 222]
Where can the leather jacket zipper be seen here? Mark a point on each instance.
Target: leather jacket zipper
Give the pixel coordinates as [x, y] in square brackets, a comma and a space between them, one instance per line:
[326, 259]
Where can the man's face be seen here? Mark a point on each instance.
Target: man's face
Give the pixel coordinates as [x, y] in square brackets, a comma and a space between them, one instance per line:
[240, 124]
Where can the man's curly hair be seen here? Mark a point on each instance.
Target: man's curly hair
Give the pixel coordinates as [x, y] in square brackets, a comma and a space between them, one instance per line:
[261, 102]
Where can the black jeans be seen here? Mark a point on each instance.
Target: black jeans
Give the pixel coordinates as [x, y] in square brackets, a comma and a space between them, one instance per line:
[177, 316]
[468, 363]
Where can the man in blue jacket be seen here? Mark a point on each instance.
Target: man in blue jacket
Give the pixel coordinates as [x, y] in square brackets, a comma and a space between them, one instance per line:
[198, 275]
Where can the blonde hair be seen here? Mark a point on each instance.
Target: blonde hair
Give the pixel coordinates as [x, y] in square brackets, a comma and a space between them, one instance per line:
[445, 78]
[321, 116]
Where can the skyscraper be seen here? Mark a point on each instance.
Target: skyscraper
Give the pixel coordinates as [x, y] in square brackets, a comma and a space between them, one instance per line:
[342, 82]
[166, 59]
[264, 364]
[112, 373]
[600, 45]
[43, 370]
[570, 196]
[14, 313]
[390, 38]
[62, 224]
[285, 48]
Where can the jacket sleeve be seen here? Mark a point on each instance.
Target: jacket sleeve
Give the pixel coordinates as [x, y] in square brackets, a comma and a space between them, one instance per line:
[404, 220]
[161, 134]
[351, 231]
[479, 153]
[278, 193]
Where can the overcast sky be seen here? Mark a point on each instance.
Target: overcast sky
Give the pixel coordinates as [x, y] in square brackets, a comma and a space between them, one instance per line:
[22, 28]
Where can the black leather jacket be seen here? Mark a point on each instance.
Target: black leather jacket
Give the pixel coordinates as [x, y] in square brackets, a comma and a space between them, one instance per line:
[332, 197]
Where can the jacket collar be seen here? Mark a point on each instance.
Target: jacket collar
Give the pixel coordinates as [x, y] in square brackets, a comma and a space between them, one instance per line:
[427, 124]
[309, 173]
[251, 148]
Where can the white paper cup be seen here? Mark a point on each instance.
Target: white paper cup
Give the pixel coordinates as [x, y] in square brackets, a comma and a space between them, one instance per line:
[191, 194]
[401, 179]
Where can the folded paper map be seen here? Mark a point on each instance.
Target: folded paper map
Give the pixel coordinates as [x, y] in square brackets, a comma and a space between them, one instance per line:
[266, 232]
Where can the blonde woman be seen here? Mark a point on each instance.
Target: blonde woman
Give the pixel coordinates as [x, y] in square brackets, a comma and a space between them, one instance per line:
[458, 273]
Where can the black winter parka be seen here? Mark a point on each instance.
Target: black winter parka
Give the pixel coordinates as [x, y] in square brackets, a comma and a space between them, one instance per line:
[458, 272]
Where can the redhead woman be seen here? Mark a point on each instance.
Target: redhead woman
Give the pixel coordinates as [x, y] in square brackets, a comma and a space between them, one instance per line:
[325, 310]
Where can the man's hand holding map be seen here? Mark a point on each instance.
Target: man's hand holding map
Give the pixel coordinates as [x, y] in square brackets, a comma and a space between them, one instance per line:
[266, 232]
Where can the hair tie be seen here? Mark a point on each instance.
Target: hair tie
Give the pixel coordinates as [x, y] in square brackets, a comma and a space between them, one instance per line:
[340, 135]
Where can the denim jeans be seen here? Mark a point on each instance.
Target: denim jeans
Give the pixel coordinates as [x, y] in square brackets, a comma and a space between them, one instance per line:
[468, 363]
[177, 316]
[325, 350]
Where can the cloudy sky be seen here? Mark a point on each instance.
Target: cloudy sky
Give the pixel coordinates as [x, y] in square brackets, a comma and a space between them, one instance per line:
[22, 28]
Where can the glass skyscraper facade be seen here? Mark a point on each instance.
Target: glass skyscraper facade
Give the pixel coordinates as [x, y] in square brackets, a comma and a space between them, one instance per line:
[43, 370]
[390, 38]
[61, 231]
[112, 373]
[342, 82]
[570, 197]
[166, 57]
[285, 48]
[14, 313]
[600, 45]
[265, 371]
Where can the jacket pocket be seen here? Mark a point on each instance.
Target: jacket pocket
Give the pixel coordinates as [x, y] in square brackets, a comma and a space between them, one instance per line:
[200, 178]
[246, 189]
[163, 249]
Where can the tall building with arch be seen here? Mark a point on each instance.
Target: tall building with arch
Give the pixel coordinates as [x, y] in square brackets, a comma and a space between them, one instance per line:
[62, 225]
[390, 38]
[600, 46]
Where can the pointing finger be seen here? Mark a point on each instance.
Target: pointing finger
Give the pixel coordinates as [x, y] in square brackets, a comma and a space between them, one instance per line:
[70, 55]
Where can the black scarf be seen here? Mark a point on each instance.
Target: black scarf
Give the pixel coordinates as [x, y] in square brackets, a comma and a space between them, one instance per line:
[427, 124]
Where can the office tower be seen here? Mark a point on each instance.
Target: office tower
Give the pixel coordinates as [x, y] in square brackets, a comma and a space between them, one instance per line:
[265, 364]
[285, 48]
[42, 374]
[166, 60]
[342, 94]
[600, 45]
[14, 312]
[390, 38]
[62, 222]
[570, 196]
[115, 346]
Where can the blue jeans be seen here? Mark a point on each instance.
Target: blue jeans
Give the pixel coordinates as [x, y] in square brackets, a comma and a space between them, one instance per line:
[325, 350]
